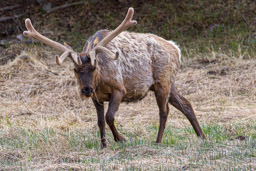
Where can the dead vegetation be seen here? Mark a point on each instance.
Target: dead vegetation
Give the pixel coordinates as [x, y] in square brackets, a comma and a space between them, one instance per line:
[38, 95]
[36, 86]
[44, 125]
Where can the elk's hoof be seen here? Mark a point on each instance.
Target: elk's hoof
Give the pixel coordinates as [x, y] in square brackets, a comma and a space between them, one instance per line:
[103, 146]
[120, 139]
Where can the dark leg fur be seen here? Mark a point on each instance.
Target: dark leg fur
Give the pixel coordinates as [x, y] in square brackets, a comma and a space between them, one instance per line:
[183, 105]
[162, 102]
[114, 102]
[101, 122]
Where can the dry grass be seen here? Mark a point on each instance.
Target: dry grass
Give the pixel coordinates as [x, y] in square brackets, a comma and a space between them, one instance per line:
[45, 125]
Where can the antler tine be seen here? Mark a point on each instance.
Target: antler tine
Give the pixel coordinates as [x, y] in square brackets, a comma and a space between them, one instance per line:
[127, 22]
[34, 34]
[60, 59]
[76, 59]
[102, 49]
[67, 51]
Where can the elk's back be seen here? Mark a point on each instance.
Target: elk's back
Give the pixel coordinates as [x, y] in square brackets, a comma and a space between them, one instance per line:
[143, 60]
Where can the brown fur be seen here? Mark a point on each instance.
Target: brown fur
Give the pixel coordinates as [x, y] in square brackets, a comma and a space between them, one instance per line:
[146, 62]
[144, 59]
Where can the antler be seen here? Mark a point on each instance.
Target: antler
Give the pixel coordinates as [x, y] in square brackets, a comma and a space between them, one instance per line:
[32, 33]
[127, 22]
[67, 53]
[101, 49]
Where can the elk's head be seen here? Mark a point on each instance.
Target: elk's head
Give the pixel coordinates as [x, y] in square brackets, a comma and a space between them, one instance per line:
[86, 63]
[86, 75]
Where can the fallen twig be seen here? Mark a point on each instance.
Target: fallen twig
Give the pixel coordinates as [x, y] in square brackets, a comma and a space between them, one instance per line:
[2, 19]
[9, 8]
[63, 6]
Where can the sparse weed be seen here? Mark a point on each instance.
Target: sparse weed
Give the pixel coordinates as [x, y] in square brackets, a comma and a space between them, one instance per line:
[180, 147]
[44, 124]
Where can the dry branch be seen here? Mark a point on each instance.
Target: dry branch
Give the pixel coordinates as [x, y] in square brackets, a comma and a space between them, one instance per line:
[9, 8]
[2, 19]
[63, 6]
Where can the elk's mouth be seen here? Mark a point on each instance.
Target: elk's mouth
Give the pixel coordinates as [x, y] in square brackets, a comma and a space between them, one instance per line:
[85, 97]
[88, 95]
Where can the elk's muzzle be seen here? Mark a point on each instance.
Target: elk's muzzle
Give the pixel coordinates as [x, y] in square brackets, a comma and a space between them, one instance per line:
[87, 91]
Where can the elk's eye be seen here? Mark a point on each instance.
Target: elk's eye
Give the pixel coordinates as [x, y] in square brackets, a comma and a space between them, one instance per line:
[75, 70]
[94, 68]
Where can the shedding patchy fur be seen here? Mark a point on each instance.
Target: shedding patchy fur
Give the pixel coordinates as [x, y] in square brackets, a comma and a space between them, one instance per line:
[177, 47]
[145, 62]
[144, 59]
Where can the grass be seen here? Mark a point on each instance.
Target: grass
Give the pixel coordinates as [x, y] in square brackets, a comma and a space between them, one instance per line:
[211, 25]
[25, 148]
[44, 124]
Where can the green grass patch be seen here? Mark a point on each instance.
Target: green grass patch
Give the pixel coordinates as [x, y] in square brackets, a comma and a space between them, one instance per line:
[25, 147]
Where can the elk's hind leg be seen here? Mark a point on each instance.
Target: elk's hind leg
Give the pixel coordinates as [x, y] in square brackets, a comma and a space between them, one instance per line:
[183, 105]
[162, 94]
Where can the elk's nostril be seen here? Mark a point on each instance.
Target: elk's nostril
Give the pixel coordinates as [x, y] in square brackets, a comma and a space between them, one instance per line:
[87, 91]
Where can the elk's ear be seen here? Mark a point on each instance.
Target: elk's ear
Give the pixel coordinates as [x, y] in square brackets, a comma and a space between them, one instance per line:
[95, 64]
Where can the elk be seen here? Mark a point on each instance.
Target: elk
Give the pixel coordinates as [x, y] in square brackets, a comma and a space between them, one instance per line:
[119, 66]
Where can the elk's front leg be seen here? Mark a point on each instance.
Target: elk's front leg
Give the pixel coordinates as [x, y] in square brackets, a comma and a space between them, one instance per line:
[114, 102]
[101, 121]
